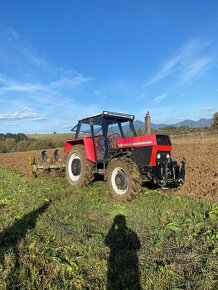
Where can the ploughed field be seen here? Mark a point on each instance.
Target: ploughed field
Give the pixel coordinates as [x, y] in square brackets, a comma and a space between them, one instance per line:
[200, 152]
[20, 161]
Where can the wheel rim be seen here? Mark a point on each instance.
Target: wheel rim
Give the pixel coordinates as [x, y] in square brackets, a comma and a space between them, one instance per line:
[74, 167]
[119, 181]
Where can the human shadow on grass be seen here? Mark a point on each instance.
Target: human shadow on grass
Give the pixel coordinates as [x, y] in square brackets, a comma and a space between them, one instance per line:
[10, 238]
[123, 268]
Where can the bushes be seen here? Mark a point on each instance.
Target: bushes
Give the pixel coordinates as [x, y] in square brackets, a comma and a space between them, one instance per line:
[17, 137]
[24, 145]
[20, 142]
[42, 144]
[215, 119]
[8, 142]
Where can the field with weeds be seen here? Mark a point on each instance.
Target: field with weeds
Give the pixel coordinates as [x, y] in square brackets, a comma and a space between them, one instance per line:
[59, 137]
[53, 237]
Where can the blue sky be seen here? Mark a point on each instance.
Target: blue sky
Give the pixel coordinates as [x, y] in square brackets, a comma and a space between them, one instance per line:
[63, 60]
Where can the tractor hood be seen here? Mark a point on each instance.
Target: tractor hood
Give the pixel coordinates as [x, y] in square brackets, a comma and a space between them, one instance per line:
[146, 140]
[145, 148]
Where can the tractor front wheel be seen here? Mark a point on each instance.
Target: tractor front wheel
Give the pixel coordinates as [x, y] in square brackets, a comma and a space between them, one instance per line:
[123, 178]
[79, 170]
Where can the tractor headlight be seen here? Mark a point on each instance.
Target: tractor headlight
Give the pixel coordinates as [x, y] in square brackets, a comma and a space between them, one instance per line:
[168, 156]
[158, 155]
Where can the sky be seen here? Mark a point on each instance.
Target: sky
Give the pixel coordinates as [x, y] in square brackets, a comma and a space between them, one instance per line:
[64, 60]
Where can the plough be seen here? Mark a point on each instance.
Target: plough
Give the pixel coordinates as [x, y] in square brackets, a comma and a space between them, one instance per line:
[47, 161]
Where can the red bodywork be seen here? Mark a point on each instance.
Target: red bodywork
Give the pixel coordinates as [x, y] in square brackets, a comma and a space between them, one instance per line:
[122, 143]
[89, 147]
[144, 141]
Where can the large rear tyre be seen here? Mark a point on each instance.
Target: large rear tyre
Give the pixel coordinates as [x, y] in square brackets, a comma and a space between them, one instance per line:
[79, 170]
[123, 178]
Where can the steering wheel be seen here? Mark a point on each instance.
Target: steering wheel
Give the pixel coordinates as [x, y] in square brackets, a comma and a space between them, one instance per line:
[111, 140]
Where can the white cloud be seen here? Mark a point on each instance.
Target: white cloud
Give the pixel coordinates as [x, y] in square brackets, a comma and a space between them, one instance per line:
[159, 98]
[195, 67]
[69, 80]
[40, 82]
[14, 86]
[11, 125]
[13, 32]
[210, 109]
[101, 96]
[25, 113]
[14, 46]
[17, 52]
[168, 68]
[67, 126]
[29, 81]
[187, 64]
[31, 55]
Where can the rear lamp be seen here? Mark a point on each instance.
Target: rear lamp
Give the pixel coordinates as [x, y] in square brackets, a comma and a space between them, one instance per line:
[158, 155]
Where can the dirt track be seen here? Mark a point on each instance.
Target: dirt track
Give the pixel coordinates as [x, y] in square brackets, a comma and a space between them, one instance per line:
[201, 154]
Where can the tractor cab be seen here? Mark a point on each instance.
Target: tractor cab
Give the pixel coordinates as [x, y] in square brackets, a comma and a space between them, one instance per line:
[105, 129]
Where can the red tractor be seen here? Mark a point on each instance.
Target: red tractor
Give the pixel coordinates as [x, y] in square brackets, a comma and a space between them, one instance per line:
[107, 144]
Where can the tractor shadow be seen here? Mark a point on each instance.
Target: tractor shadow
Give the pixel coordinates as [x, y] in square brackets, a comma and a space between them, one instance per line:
[123, 267]
[10, 238]
[149, 185]
[145, 185]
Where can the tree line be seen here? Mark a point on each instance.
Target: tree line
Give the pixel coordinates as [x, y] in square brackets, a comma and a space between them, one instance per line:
[20, 142]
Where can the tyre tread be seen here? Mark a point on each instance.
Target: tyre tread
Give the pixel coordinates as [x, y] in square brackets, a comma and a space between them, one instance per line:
[88, 175]
[132, 171]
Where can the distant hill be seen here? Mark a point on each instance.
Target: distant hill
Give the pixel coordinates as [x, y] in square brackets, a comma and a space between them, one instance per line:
[189, 123]
[195, 124]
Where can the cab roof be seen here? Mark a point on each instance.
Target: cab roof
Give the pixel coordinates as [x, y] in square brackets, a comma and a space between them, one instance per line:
[110, 117]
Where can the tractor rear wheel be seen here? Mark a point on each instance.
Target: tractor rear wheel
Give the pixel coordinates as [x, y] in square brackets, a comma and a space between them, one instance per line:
[79, 170]
[123, 178]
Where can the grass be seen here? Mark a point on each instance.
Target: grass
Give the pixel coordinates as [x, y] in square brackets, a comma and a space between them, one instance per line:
[55, 237]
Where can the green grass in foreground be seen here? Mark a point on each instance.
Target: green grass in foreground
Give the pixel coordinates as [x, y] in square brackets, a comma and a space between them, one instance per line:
[61, 244]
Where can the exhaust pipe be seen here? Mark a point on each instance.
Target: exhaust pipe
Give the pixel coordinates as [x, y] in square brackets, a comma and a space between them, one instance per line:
[147, 124]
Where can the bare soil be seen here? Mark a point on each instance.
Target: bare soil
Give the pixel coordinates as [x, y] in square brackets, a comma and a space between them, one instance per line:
[200, 153]
[20, 161]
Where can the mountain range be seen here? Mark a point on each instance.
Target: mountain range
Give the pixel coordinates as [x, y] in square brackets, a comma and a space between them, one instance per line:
[189, 123]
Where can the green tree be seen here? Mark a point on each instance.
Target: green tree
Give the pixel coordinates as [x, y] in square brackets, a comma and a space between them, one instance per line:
[215, 119]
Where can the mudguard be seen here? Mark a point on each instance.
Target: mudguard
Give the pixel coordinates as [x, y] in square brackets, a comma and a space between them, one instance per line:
[88, 144]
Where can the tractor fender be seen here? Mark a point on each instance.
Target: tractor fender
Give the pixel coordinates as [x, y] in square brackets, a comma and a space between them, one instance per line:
[88, 144]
